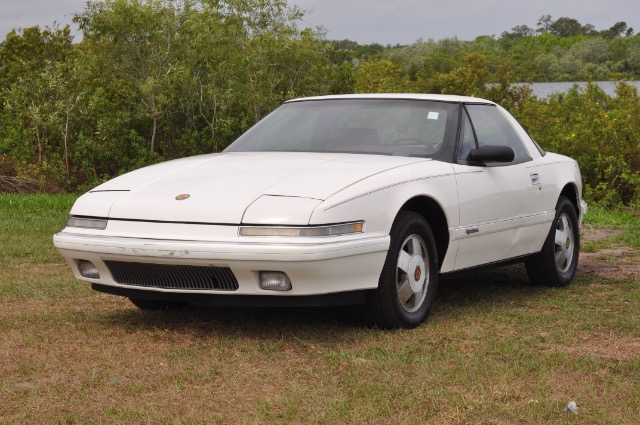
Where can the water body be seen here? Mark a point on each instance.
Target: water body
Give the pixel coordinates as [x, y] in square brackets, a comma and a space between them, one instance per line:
[545, 89]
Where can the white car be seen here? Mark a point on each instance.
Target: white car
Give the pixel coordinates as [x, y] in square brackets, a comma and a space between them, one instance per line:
[356, 199]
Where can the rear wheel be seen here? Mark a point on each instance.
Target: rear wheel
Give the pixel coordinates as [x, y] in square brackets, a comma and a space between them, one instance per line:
[145, 304]
[556, 263]
[409, 278]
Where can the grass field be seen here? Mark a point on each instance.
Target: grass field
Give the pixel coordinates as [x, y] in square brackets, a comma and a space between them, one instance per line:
[495, 350]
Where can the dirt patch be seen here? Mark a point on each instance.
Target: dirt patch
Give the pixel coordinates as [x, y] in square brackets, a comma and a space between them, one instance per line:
[590, 234]
[615, 263]
[602, 345]
[594, 267]
[620, 262]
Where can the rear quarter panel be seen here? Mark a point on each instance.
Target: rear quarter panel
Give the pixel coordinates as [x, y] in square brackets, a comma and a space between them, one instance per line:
[559, 171]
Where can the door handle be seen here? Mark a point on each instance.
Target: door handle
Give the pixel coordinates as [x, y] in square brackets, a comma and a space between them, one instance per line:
[535, 178]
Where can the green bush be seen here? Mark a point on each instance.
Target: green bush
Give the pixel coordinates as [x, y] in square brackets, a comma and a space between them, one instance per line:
[601, 132]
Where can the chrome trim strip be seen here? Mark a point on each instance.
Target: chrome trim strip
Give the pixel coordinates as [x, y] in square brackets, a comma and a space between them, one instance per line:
[495, 226]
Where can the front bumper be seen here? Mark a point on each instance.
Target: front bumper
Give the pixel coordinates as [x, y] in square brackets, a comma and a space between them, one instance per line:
[326, 266]
[583, 210]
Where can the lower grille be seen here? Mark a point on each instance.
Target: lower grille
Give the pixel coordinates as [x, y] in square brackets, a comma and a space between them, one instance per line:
[168, 276]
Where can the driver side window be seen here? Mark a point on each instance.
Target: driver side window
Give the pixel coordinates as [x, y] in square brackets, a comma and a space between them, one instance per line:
[467, 138]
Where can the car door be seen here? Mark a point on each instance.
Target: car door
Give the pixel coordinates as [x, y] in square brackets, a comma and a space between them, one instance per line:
[501, 204]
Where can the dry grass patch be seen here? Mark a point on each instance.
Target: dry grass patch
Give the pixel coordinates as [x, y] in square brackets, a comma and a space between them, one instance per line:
[604, 259]
[590, 233]
[607, 346]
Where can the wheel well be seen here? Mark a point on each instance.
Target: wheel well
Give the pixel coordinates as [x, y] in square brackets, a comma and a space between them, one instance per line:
[569, 192]
[433, 213]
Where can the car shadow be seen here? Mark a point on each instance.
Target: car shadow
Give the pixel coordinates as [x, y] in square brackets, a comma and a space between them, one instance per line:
[479, 286]
[262, 323]
[508, 285]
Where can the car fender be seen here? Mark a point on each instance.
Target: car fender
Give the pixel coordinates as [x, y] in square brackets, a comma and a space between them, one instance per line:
[378, 199]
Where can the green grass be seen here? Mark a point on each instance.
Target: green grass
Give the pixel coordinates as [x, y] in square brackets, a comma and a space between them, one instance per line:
[30, 267]
[495, 349]
[27, 223]
[626, 221]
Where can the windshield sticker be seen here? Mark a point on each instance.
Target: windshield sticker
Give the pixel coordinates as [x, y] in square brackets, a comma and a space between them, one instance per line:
[432, 116]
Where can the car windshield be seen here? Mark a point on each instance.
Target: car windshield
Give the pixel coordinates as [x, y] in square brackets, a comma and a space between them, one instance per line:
[371, 126]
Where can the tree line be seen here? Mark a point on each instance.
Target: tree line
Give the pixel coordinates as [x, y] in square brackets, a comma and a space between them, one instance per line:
[153, 80]
[556, 50]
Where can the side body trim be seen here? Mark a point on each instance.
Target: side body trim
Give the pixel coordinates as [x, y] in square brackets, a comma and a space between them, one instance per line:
[489, 227]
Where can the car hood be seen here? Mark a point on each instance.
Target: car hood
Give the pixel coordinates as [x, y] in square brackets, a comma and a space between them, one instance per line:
[221, 187]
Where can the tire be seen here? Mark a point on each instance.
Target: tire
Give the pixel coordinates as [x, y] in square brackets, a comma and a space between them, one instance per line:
[409, 278]
[155, 305]
[555, 265]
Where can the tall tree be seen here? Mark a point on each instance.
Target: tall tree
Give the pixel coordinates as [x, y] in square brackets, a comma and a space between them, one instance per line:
[617, 30]
[27, 51]
[379, 76]
[138, 43]
[568, 27]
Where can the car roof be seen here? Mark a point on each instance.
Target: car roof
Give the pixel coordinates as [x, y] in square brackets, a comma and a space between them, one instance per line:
[405, 96]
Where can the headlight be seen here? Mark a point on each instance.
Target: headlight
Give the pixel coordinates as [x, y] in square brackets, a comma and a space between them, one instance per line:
[329, 230]
[87, 223]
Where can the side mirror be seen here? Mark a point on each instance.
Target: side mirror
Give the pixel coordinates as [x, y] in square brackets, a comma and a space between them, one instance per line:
[492, 153]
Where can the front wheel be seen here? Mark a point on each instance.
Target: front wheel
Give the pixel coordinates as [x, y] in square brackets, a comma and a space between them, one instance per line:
[407, 284]
[555, 265]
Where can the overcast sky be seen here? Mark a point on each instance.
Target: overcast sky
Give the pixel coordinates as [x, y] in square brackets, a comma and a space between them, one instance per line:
[386, 21]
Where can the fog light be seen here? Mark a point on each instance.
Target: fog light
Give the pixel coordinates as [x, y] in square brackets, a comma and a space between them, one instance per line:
[275, 281]
[88, 270]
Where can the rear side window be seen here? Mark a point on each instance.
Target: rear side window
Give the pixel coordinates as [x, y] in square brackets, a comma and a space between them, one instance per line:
[492, 128]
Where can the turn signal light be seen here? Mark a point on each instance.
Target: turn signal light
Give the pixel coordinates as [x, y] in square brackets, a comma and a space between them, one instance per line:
[309, 231]
[87, 222]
